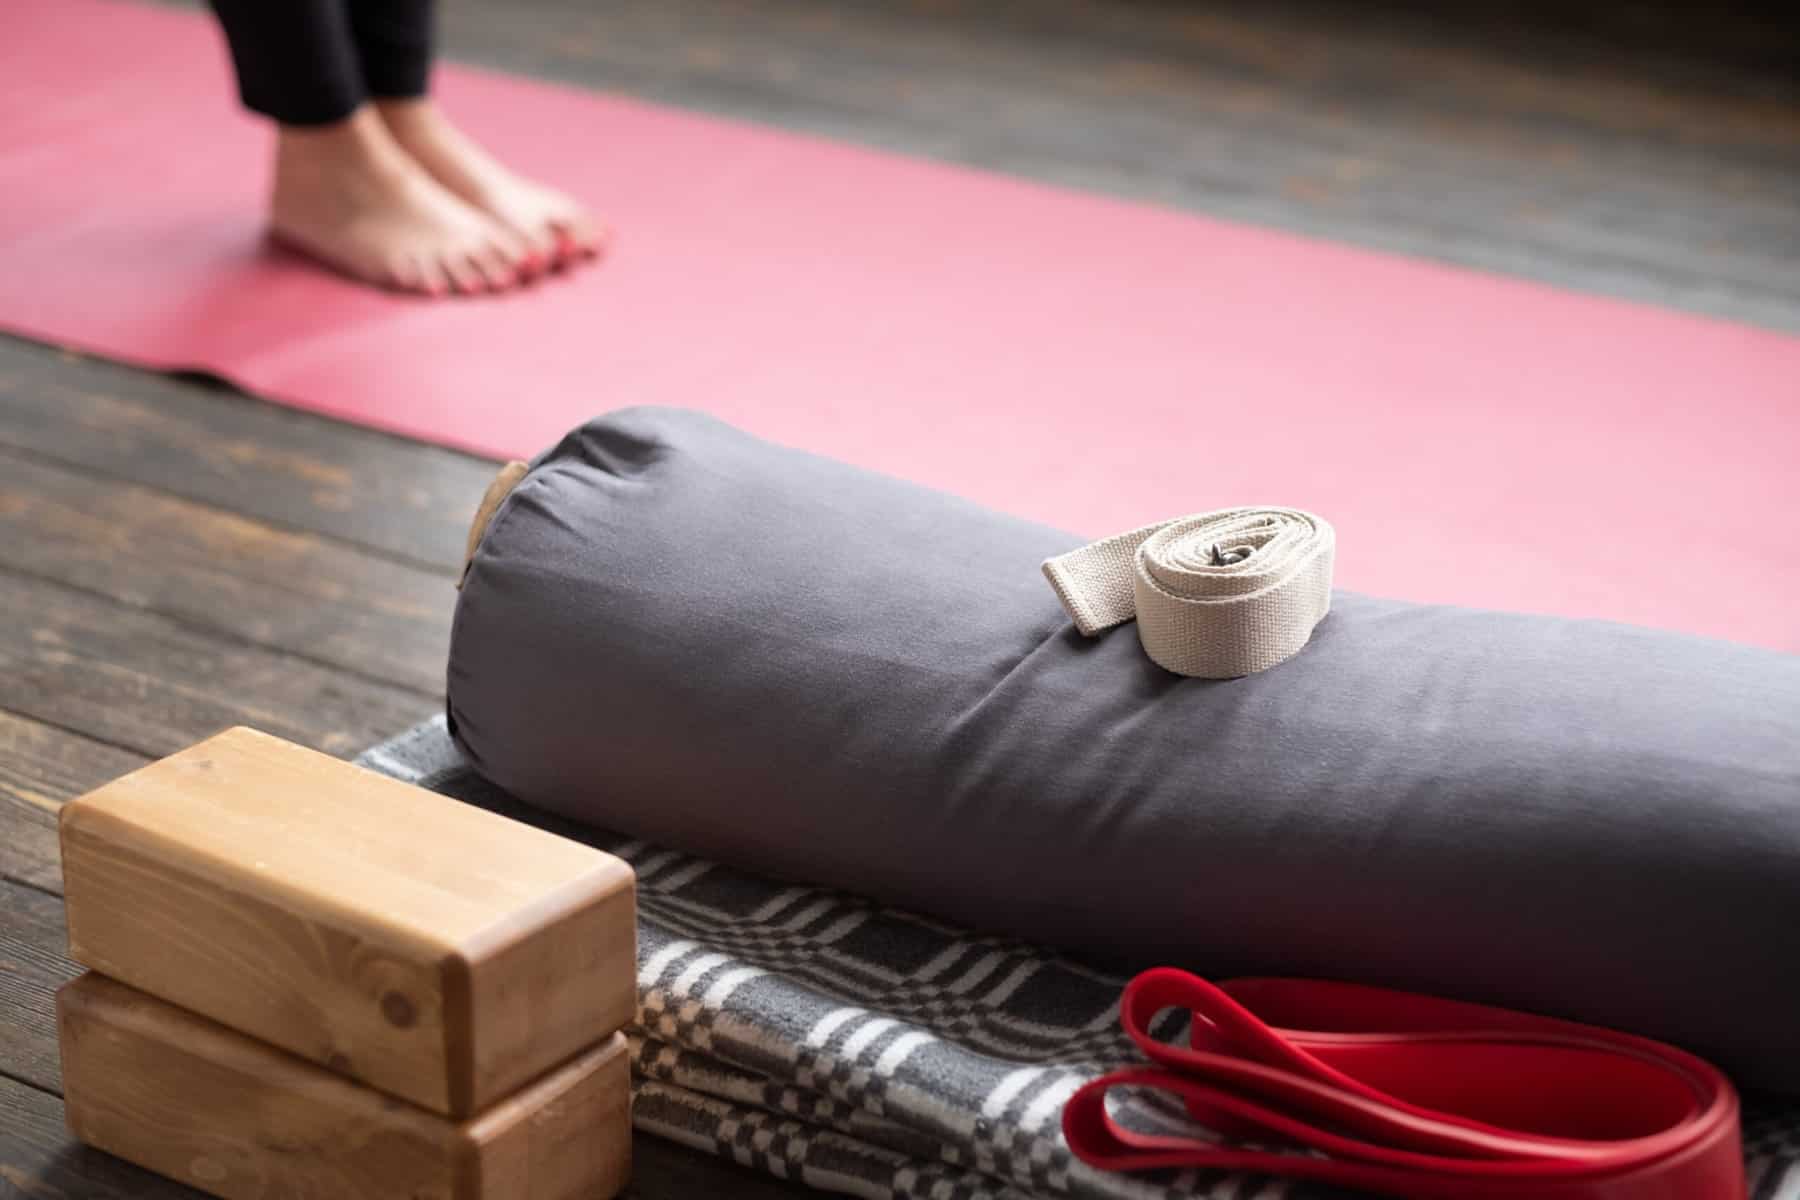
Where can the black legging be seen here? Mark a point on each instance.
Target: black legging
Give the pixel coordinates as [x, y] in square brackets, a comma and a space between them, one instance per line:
[312, 62]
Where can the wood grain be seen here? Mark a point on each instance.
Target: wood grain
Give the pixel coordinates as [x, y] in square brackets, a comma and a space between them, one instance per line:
[566, 1136]
[249, 1122]
[426, 947]
[42, 767]
[1643, 150]
[1646, 150]
[292, 591]
[32, 967]
[152, 684]
[39, 1160]
[202, 442]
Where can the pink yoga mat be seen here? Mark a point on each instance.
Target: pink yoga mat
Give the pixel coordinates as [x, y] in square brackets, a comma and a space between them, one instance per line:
[1091, 363]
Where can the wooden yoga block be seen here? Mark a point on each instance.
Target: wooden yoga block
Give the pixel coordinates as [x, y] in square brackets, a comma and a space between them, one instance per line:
[423, 946]
[190, 1099]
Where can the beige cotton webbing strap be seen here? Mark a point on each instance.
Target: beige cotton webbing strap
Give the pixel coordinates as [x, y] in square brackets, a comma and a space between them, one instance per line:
[1215, 595]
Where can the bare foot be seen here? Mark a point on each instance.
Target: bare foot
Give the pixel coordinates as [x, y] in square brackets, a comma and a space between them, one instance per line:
[548, 221]
[348, 194]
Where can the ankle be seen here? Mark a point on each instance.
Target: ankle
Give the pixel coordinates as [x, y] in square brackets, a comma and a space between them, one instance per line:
[359, 144]
[409, 118]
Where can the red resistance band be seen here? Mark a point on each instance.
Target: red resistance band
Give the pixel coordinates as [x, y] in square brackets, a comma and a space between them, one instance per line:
[1412, 1096]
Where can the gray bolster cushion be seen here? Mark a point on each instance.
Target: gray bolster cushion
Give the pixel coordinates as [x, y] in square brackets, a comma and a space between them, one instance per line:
[677, 631]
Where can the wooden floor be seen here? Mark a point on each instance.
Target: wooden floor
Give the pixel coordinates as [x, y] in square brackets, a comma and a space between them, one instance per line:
[175, 558]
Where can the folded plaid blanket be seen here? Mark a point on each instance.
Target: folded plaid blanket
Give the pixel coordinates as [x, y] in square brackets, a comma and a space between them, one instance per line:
[871, 1052]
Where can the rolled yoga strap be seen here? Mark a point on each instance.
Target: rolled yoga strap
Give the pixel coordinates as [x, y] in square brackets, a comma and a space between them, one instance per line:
[1418, 1097]
[1216, 595]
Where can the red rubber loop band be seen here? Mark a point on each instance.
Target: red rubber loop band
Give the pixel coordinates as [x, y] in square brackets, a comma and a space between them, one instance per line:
[1414, 1096]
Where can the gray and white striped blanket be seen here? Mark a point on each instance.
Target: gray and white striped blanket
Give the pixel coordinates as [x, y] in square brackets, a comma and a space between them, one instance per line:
[871, 1052]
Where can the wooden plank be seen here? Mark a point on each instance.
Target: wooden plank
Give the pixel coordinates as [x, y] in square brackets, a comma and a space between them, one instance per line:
[32, 966]
[277, 587]
[420, 945]
[142, 681]
[41, 767]
[206, 443]
[1646, 151]
[41, 1160]
[250, 1121]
